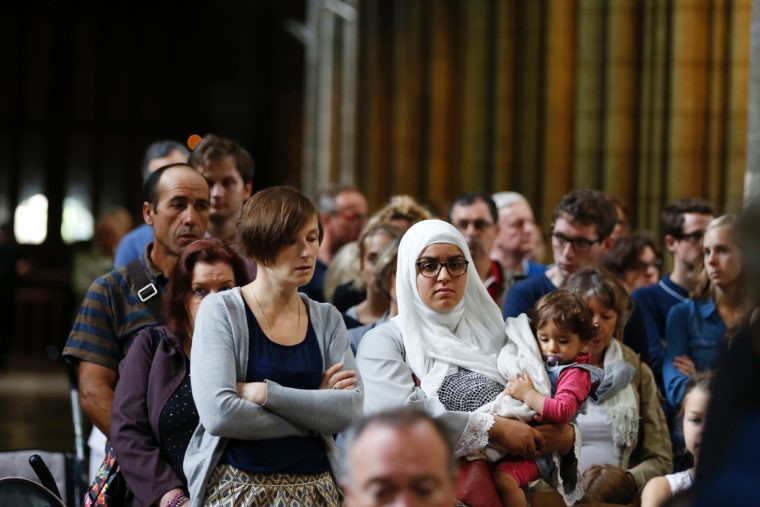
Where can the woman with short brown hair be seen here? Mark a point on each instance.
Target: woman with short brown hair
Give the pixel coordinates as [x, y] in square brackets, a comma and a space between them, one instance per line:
[266, 358]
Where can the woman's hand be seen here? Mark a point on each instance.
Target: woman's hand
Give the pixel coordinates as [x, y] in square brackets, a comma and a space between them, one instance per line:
[685, 365]
[169, 496]
[519, 386]
[516, 437]
[255, 392]
[556, 437]
[333, 378]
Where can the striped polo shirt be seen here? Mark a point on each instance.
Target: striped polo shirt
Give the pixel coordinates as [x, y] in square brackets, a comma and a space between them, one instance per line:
[110, 316]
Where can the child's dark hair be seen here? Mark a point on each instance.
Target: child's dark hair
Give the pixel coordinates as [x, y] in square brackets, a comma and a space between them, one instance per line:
[608, 484]
[567, 310]
[700, 380]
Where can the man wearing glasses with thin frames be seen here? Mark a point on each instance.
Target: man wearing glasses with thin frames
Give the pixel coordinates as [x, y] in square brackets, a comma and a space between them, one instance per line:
[683, 225]
[582, 222]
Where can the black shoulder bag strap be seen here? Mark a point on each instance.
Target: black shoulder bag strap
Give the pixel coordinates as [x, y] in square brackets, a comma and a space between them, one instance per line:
[146, 290]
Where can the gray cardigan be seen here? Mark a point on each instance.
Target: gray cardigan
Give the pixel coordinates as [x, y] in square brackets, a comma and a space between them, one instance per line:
[220, 360]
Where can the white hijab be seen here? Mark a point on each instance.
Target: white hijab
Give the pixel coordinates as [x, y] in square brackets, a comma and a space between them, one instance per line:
[436, 344]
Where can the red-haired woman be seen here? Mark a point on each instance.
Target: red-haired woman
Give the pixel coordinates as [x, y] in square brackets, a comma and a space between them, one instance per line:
[153, 415]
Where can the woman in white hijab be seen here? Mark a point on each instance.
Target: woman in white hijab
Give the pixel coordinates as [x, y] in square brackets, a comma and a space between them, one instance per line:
[439, 353]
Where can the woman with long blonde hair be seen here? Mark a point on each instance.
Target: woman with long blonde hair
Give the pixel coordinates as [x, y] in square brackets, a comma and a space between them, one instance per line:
[698, 330]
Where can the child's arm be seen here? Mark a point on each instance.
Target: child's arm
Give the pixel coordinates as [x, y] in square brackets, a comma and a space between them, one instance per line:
[521, 388]
[573, 387]
[656, 492]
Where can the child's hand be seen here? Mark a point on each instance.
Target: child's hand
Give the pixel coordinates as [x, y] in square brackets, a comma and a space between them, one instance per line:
[519, 386]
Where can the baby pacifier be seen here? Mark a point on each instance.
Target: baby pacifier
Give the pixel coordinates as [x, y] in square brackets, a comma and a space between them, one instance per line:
[552, 362]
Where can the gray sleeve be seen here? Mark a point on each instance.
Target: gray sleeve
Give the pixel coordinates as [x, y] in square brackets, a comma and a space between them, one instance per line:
[388, 381]
[213, 375]
[322, 410]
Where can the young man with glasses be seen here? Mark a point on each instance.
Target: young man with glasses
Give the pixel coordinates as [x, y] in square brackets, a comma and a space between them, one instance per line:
[683, 225]
[582, 222]
[474, 214]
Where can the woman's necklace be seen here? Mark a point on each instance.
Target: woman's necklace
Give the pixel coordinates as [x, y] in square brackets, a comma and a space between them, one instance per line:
[269, 328]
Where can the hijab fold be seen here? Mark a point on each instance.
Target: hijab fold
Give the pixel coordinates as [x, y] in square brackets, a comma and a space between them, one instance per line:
[437, 344]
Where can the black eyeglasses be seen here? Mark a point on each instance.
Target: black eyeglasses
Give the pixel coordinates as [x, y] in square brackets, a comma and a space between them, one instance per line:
[693, 237]
[480, 224]
[431, 268]
[643, 266]
[579, 244]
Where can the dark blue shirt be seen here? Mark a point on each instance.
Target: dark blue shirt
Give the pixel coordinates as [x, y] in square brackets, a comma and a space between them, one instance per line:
[654, 302]
[132, 245]
[522, 296]
[298, 366]
[694, 329]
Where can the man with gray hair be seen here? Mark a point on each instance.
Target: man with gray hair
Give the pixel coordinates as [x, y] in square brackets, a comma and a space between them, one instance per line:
[516, 239]
[399, 457]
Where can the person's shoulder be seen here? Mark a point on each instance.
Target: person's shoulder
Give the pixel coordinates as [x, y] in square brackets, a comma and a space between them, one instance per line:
[647, 293]
[132, 244]
[535, 268]
[141, 233]
[385, 336]
[227, 299]
[116, 280]
[630, 356]
[534, 284]
[687, 309]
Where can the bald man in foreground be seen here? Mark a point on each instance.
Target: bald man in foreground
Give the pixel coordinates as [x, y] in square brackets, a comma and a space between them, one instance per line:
[400, 457]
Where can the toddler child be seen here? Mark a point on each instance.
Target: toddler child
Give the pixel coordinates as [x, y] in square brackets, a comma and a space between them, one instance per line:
[563, 325]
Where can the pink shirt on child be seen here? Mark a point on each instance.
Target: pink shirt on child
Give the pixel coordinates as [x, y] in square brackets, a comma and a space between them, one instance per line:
[573, 386]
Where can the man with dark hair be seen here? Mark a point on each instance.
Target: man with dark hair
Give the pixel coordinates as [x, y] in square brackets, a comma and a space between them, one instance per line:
[476, 217]
[158, 154]
[582, 222]
[120, 303]
[228, 169]
[343, 212]
[683, 225]
[399, 457]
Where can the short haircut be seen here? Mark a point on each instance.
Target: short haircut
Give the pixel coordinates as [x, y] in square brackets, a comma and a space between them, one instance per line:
[401, 207]
[210, 251]
[471, 198]
[504, 199]
[160, 149]
[402, 417]
[150, 187]
[567, 310]
[672, 217]
[326, 198]
[213, 147]
[597, 282]
[270, 220]
[385, 265]
[608, 484]
[588, 207]
[624, 254]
